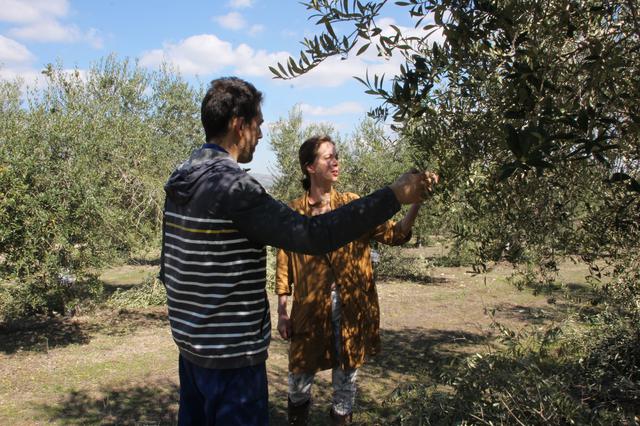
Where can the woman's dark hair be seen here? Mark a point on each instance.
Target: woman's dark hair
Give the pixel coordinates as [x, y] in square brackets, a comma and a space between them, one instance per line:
[226, 98]
[307, 155]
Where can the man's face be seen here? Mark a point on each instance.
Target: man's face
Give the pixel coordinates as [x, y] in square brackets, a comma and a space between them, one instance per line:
[250, 134]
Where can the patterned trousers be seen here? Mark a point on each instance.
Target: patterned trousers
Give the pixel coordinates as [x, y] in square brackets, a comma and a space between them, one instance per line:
[344, 381]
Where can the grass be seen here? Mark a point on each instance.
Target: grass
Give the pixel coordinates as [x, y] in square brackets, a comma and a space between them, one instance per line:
[119, 366]
[125, 277]
[122, 353]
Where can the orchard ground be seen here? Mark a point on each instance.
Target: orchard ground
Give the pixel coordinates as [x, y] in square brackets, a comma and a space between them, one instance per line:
[119, 366]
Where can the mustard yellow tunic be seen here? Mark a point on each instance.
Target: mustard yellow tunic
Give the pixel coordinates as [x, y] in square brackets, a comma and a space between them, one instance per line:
[309, 279]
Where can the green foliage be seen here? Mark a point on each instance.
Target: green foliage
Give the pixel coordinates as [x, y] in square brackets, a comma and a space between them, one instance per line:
[509, 67]
[395, 263]
[615, 235]
[530, 113]
[369, 159]
[461, 253]
[271, 268]
[541, 377]
[82, 164]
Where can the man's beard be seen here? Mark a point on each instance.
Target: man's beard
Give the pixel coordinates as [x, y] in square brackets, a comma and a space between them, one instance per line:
[245, 157]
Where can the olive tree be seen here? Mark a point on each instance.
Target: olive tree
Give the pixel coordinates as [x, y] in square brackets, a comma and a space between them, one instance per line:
[82, 164]
[530, 111]
[521, 104]
[552, 81]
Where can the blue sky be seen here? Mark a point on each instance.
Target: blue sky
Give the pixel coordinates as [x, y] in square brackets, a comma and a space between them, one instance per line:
[203, 40]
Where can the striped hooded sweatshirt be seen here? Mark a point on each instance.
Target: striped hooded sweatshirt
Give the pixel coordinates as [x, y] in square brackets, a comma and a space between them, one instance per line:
[217, 222]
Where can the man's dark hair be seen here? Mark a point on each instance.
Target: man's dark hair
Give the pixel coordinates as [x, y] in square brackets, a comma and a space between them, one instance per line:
[226, 98]
[307, 155]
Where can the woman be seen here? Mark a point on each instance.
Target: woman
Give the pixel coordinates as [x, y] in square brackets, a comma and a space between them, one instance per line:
[335, 314]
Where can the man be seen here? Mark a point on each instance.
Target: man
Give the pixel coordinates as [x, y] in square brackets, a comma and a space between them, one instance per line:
[217, 222]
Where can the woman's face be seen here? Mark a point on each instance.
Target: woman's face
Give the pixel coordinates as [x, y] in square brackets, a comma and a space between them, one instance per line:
[325, 169]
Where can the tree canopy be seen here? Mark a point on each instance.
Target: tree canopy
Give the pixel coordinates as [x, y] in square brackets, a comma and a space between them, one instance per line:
[529, 85]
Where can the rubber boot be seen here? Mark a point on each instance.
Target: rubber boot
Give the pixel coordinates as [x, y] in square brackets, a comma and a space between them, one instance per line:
[338, 420]
[298, 414]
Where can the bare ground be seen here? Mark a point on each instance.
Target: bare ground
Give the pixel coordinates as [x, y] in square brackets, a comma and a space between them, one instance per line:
[120, 367]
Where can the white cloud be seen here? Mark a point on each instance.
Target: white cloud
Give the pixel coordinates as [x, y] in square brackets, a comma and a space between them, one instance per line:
[231, 21]
[53, 31]
[200, 54]
[27, 76]
[335, 71]
[93, 38]
[240, 4]
[288, 33]
[256, 29]
[257, 64]
[339, 109]
[235, 21]
[385, 25]
[12, 52]
[39, 20]
[205, 54]
[16, 63]
[22, 11]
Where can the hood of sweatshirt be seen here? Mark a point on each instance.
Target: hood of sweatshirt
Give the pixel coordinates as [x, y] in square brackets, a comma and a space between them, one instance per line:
[184, 181]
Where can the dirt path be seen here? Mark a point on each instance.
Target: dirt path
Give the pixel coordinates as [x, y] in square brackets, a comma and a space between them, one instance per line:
[120, 367]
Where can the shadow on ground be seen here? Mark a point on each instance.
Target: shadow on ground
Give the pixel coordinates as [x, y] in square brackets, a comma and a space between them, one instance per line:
[418, 355]
[411, 351]
[126, 321]
[561, 301]
[420, 279]
[530, 314]
[39, 334]
[139, 405]
[128, 276]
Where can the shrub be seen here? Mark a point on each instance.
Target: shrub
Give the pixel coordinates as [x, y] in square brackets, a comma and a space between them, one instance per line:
[555, 376]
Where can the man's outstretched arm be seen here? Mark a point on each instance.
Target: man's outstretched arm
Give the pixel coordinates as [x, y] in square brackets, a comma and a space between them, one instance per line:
[267, 221]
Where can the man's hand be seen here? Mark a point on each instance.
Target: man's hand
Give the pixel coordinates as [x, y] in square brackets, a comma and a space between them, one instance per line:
[414, 187]
[284, 326]
[431, 180]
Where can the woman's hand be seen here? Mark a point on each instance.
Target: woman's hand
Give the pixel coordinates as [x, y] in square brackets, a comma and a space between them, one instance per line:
[284, 326]
[284, 322]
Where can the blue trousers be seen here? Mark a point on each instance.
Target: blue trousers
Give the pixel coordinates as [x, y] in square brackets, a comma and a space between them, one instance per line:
[230, 397]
